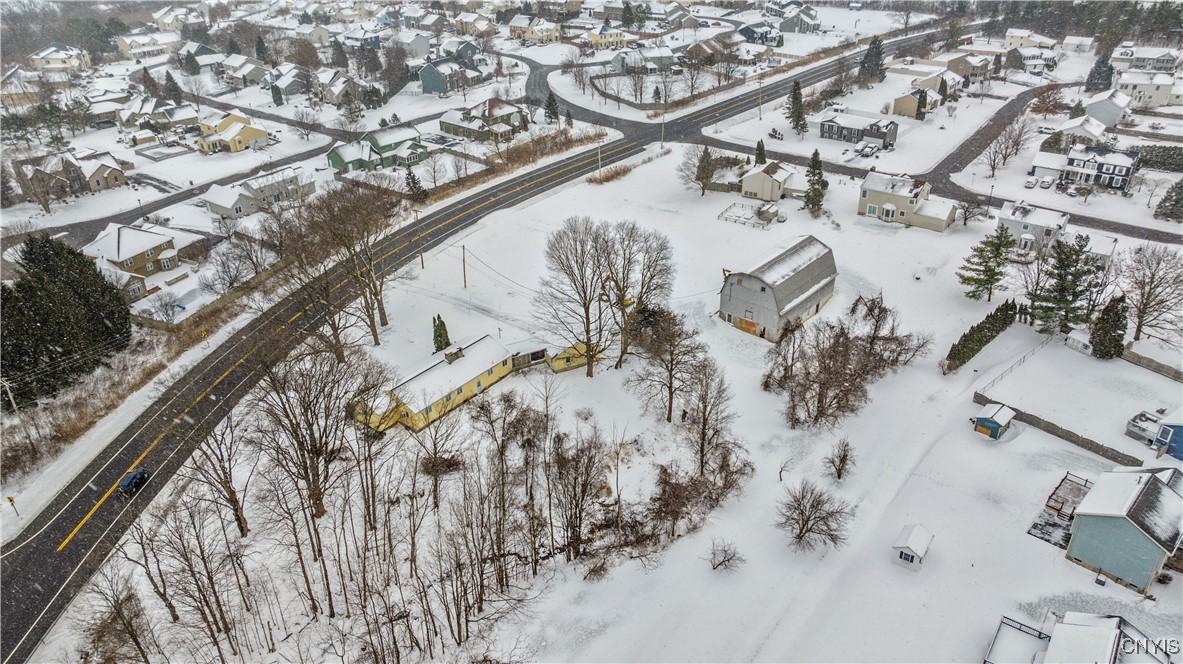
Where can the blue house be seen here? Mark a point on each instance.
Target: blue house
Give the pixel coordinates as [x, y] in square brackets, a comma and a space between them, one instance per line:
[446, 75]
[1170, 434]
[1130, 522]
[993, 420]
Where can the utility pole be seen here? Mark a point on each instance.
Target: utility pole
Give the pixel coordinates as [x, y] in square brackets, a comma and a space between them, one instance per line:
[464, 264]
[419, 233]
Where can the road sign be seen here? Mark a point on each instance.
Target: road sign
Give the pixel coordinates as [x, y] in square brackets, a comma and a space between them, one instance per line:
[204, 334]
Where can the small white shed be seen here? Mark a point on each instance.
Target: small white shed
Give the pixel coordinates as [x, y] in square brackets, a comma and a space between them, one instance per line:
[912, 545]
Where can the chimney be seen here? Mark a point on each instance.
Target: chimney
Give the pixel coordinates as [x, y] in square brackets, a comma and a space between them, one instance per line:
[453, 355]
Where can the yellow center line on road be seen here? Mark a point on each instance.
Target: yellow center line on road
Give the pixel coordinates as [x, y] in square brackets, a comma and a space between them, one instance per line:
[168, 429]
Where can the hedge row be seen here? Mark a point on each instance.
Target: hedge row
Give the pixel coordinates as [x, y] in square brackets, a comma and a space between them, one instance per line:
[974, 340]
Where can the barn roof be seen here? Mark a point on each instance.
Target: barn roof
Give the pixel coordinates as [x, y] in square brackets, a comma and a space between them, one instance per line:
[788, 262]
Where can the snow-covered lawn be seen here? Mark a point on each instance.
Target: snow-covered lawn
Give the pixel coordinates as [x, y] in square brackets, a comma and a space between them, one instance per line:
[920, 145]
[178, 173]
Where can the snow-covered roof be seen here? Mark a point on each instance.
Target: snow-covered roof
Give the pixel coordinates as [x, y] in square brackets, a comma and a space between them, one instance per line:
[1142, 77]
[915, 538]
[997, 412]
[782, 173]
[848, 120]
[119, 242]
[1094, 641]
[520, 21]
[431, 381]
[788, 262]
[887, 183]
[1085, 125]
[1073, 40]
[936, 207]
[1116, 96]
[1026, 213]
[357, 150]
[1144, 498]
[222, 195]
[56, 52]
[1102, 155]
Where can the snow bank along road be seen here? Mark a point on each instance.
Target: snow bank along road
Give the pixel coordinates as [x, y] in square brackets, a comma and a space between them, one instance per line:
[43, 568]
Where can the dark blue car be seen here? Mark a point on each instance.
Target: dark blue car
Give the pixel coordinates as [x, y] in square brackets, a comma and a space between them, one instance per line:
[132, 482]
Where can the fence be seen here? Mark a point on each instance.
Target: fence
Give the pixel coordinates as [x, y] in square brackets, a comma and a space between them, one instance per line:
[1154, 365]
[1064, 434]
[1153, 135]
[1019, 362]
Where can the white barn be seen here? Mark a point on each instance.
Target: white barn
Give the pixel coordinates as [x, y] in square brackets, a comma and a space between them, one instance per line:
[794, 284]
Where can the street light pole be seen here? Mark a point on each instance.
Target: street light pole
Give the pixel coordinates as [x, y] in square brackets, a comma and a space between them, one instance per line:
[990, 200]
[142, 215]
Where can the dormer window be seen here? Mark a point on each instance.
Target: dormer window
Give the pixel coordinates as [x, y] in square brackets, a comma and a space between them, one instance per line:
[148, 254]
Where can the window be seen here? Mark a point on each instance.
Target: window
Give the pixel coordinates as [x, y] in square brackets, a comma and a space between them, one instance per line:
[1106, 169]
[728, 318]
[428, 409]
[912, 202]
[864, 193]
[405, 413]
[872, 209]
[1120, 170]
[277, 197]
[128, 262]
[134, 289]
[98, 183]
[505, 362]
[148, 254]
[115, 179]
[903, 213]
[489, 372]
[165, 264]
[907, 557]
[448, 396]
[459, 390]
[888, 214]
[763, 289]
[1026, 227]
[237, 209]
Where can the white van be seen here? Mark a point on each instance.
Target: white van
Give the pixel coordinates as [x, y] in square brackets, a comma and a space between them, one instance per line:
[1031, 182]
[1047, 182]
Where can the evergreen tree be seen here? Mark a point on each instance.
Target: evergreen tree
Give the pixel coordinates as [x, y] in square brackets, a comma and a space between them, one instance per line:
[997, 64]
[441, 334]
[657, 94]
[415, 190]
[705, 172]
[780, 39]
[627, 16]
[350, 108]
[1100, 76]
[261, 49]
[61, 318]
[797, 111]
[276, 95]
[304, 18]
[1071, 272]
[985, 267]
[190, 65]
[952, 35]
[151, 88]
[338, 57]
[570, 122]
[816, 185]
[1076, 111]
[172, 90]
[232, 48]
[871, 66]
[1170, 206]
[761, 158]
[551, 109]
[1108, 334]
[7, 195]
[922, 104]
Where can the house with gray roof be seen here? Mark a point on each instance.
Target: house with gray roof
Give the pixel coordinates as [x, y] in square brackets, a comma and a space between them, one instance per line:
[793, 284]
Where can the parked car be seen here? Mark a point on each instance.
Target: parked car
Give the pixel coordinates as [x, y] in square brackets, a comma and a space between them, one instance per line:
[1157, 126]
[716, 24]
[1046, 129]
[858, 147]
[135, 480]
[869, 150]
[1047, 182]
[704, 24]
[103, 124]
[1072, 193]
[1031, 182]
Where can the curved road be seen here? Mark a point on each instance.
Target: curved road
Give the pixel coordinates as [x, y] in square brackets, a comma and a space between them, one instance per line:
[52, 559]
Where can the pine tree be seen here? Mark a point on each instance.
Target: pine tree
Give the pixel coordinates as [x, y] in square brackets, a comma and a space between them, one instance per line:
[627, 16]
[761, 158]
[261, 49]
[172, 90]
[276, 95]
[1170, 206]
[1100, 76]
[415, 190]
[7, 195]
[338, 57]
[657, 94]
[921, 104]
[816, 185]
[439, 333]
[551, 109]
[797, 111]
[780, 40]
[61, 318]
[997, 64]
[943, 90]
[1070, 273]
[190, 65]
[444, 340]
[232, 48]
[985, 267]
[1108, 334]
[570, 121]
[871, 66]
[151, 89]
[705, 172]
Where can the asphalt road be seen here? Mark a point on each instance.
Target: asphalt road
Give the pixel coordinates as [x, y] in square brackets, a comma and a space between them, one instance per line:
[53, 558]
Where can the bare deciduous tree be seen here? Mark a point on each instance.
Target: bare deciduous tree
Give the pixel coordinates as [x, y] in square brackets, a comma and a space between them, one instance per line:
[225, 465]
[639, 272]
[708, 414]
[813, 517]
[579, 463]
[1015, 137]
[305, 121]
[672, 351]
[572, 303]
[725, 555]
[436, 169]
[841, 459]
[165, 306]
[115, 619]
[995, 155]
[1152, 280]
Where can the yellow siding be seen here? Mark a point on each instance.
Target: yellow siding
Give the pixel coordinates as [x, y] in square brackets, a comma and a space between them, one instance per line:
[572, 357]
[417, 421]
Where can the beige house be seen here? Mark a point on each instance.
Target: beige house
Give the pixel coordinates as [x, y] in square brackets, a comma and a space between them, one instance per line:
[605, 37]
[148, 45]
[317, 34]
[772, 182]
[543, 31]
[60, 58]
[1018, 38]
[906, 104]
[904, 199]
[140, 259]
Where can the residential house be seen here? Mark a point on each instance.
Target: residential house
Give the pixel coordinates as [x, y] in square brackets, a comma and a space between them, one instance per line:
[1083, 127]
[291, 79]
[907, 103]
[1077, 637]
[650, 59]
[447, 74]
[410, 15]
[20, 88]
[773, 181]
[604, 37]
[317, 34]
[1101, 247]
[136, 46]
[800, 19]
[214, 120]
[384, 148]
[678, 17]
[361, 37]
[709, 49]
[543, 31]
[139, 110]
[243, 70]
[558, 10]
[1037, 60]
[612, 10]
[519, 24]
[911, 546]
[972, 68]
[178, 18]
[208, 7]
[58, 58]
[140, 259]
[1034, 229]
[904, 199]
[193, 48]
[1151, 89]
[779, 8]
[492, 118]
[461, 49]
[856, 129]
[330, 86]
[253, 194]
[1146, 58]
[65, 174]
[235, 136]
[415, 44]
[759, 33]
[434, 23]
[1128, 524]
[1093, 164]
[935, 81]
[792, 285]
[474, 25]
[1074, 44]
[1018, 38]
